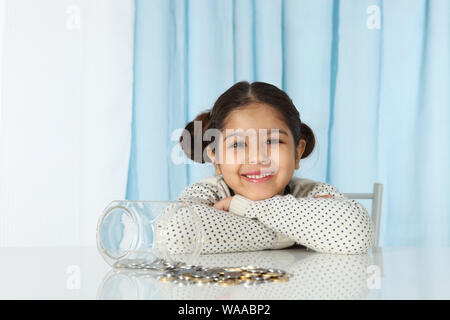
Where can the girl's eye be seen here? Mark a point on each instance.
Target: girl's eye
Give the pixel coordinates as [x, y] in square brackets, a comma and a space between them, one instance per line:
[241, 144]
[273, 141]
[237, 143]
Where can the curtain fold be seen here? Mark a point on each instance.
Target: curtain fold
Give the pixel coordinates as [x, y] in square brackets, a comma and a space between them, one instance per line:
[371, 79]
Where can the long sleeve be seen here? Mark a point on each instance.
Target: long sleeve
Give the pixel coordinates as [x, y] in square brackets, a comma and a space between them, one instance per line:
[328, 225]
[223, 231]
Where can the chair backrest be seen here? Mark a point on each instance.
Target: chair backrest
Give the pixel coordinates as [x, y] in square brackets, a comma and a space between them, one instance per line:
[376, 197]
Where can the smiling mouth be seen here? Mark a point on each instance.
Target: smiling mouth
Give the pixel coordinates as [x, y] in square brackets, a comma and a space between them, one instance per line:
[258, 178]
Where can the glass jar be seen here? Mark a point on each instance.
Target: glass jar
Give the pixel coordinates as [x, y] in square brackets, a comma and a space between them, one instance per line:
[139, 230]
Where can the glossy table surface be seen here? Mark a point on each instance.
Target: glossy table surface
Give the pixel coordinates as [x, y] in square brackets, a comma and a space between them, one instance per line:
[81, 273]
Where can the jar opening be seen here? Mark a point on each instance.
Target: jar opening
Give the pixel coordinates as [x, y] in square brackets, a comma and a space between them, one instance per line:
[118, 232]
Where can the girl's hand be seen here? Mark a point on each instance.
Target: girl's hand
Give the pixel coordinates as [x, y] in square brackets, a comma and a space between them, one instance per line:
[324, 196]
[223, 204]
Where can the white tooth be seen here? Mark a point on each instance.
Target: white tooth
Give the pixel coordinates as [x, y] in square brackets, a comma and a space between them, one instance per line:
[258, 177]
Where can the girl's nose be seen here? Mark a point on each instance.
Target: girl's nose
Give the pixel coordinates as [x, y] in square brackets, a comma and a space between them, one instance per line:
[264, 159]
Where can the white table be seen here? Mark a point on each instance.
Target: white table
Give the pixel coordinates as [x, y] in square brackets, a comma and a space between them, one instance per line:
[81, 273]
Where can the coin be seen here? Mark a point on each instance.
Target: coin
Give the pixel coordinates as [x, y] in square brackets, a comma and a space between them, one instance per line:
[229, 282]
[270, 275]
[188, 270]
[182, 274]
[280, 279]
[165, 278]
[212, 274]
[281, 272]
[186, 275]
[232, 275]
[236, 269]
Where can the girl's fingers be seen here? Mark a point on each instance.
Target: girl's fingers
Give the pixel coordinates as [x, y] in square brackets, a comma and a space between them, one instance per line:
[218, 205]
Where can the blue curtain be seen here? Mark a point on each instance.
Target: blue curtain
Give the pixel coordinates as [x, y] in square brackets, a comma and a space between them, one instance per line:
[371, 78]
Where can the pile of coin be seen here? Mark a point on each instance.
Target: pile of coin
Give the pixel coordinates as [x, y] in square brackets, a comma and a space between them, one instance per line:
[184, 274]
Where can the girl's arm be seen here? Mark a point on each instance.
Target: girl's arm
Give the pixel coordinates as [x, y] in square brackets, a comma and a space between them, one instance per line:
[223, 230]
[328, 225]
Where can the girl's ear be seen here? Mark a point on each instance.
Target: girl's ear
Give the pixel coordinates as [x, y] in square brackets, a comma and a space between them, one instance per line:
[212, 156]
[299, 152]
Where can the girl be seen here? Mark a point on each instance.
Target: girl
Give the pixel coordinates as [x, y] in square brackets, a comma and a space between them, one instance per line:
[258, 203]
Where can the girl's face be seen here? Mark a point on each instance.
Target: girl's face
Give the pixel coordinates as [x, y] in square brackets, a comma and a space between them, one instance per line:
[270, 153]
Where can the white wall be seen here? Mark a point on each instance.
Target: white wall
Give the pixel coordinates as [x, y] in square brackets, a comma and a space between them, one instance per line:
[65, 117]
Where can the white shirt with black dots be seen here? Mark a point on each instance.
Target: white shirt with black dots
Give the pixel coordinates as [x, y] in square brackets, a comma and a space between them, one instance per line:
[327, 225]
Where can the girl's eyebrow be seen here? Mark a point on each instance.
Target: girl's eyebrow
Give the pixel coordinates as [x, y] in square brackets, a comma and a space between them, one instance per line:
[240, 133]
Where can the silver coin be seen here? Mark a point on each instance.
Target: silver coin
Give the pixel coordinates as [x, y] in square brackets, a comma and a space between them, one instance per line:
[232, 275]
[186, 270]
[216, 269]
[199, 274]
[281, 272]
[184, 274]
[212, 274]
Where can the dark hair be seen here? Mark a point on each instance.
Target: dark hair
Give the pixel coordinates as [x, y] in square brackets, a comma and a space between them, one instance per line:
[240, 95]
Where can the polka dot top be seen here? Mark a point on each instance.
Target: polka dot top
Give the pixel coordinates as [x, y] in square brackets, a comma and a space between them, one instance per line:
[328, 225]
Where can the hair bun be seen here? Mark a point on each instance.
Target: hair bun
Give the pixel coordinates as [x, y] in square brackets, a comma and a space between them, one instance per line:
[205, 118]
[308, 135]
